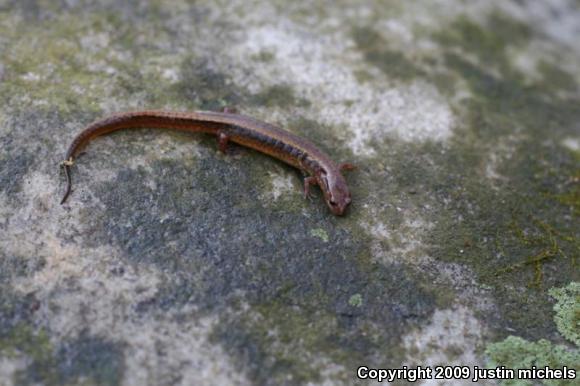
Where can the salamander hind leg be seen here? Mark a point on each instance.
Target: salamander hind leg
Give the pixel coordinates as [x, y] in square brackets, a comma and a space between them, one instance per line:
[230, 110]
[223, 140]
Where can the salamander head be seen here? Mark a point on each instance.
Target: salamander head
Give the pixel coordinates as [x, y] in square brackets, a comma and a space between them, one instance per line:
[335, 189]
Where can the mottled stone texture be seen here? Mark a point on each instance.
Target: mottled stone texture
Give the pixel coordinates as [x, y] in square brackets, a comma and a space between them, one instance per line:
[172, 264]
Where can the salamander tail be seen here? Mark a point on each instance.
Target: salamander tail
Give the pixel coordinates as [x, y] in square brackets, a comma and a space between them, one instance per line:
[66, 166]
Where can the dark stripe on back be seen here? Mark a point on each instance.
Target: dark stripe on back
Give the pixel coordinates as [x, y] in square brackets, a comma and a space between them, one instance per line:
[275, 143]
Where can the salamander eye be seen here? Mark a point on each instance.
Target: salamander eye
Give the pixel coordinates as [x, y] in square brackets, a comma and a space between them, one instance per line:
[333, 203]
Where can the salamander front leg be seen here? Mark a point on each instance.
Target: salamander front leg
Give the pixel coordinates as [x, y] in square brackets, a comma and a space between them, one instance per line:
[345, 166]
[223, 138]
[307, 182]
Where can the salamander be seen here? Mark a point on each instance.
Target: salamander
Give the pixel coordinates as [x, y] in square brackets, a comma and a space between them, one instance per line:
[229, 126]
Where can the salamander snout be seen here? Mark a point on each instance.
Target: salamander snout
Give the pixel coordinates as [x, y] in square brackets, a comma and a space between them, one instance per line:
[339, 207]
[337, 196]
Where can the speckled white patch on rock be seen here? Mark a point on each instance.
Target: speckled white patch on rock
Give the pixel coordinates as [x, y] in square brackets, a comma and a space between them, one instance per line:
[465, 284]
[572, 143]
[405, 242]
[9, 366]
[282, 184]
[556, 18]
[499, 154]
[451, 338]
[330, 372]
[320, 69]
[188, 358]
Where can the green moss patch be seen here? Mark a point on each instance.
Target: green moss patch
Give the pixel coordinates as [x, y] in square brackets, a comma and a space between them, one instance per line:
[377, 52]
[516, 224]
[83, 359]
[280, 95]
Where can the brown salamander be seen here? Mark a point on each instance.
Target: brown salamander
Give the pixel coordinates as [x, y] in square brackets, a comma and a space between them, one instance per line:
[241, 129]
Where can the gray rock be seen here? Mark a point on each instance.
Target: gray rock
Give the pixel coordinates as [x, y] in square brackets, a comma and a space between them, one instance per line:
[172, 264]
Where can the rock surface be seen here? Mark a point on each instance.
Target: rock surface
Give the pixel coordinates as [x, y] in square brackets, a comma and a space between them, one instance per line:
[172, 264]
